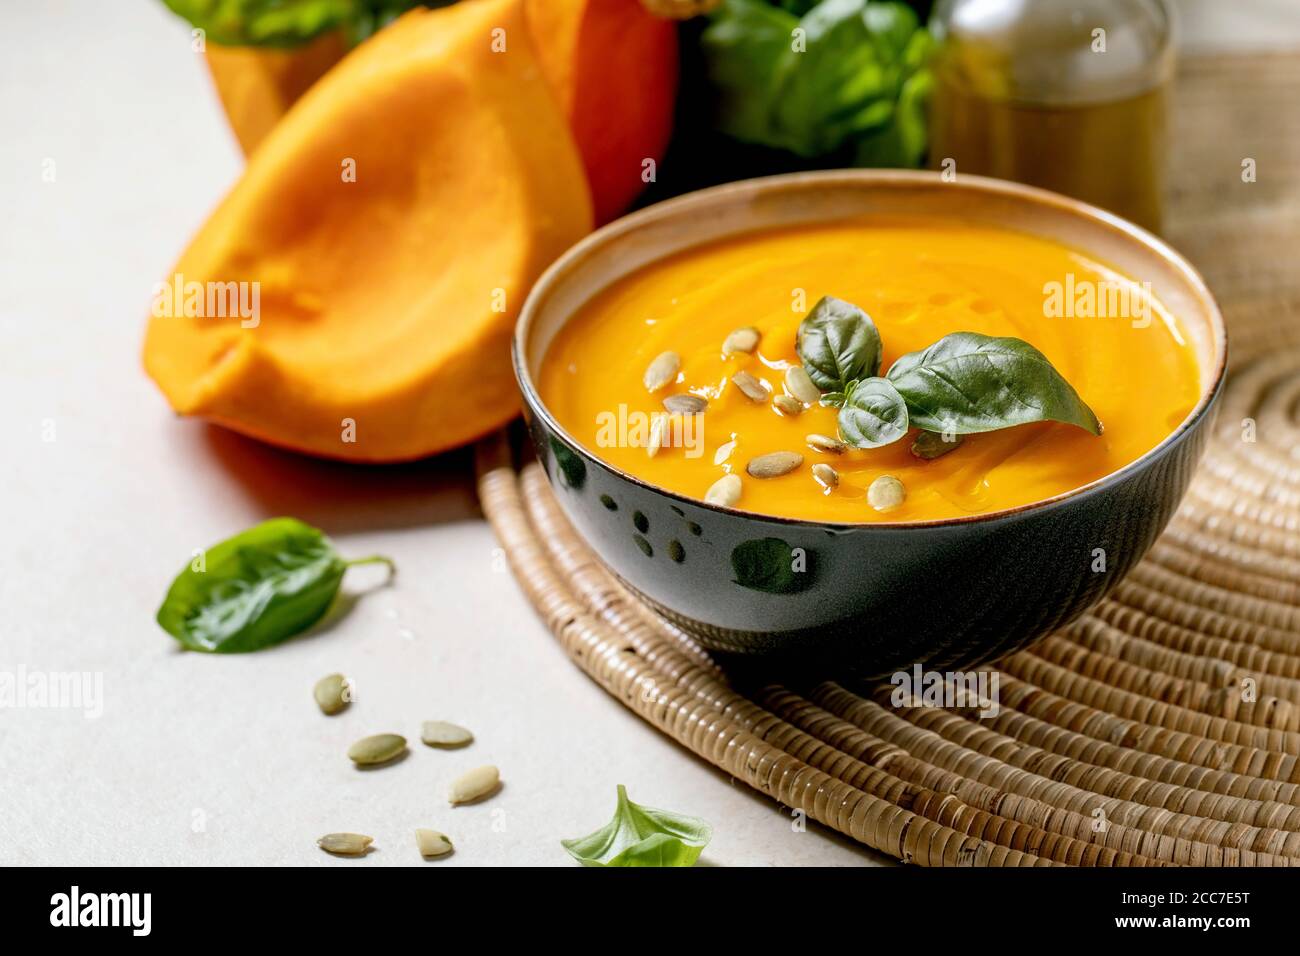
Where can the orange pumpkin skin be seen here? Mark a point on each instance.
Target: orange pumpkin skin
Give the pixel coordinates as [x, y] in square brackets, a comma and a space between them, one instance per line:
[257, 85]
[613, 66]
[387, 302]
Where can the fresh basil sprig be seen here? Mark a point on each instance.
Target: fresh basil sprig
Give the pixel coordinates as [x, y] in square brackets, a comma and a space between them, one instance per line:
[290, 23]
[963, 384]
[873, 414]
[855, 86]
[256, 589]
[838, 344]
[967, 383]
[642, 836]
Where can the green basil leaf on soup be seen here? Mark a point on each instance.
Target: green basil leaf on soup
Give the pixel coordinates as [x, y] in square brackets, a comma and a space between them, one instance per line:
[838, 344]
[642, 836]
[967, 383]
[256, 589]
[873, 414]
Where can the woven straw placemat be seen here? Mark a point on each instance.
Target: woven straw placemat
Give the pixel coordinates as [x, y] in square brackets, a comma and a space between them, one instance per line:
[1163, 727]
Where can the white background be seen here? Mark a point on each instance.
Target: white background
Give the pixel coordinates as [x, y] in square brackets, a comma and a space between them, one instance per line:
[225, 759]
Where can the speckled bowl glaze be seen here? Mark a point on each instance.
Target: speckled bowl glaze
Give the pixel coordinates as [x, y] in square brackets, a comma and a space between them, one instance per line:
[870, 599]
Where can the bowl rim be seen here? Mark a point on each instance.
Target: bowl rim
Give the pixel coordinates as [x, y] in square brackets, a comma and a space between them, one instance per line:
[698, 199]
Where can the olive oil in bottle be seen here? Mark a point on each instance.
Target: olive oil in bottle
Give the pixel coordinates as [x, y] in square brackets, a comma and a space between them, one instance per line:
[1069, 95]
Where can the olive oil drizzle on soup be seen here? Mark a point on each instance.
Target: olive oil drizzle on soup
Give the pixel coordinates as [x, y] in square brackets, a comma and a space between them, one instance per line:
[919, 281]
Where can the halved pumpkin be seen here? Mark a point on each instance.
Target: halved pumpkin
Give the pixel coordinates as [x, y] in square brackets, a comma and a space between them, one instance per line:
[257, 85]
[613, 66]
[393, 222]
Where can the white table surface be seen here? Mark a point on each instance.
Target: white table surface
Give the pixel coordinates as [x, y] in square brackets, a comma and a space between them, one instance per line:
[225, 759]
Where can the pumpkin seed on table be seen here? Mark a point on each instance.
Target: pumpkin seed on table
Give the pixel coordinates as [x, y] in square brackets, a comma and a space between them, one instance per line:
[931, 445]
[474, 785]
[788, 405]
[754, 389]
[886, 493]
[377, 749]
[825, 474]
[432, 843]
[725, 491]
[800, 384]
[662, 371]
[741, 341]
[686, 404]
[345, 844]
[774, 464]
[440, 733]
[831, 446]
[331, 694]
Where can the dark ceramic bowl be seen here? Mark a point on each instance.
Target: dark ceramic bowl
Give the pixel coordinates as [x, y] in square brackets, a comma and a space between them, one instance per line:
[1007, 576]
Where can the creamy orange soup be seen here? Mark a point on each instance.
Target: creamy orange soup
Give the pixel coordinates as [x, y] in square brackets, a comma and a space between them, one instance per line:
[919, 281]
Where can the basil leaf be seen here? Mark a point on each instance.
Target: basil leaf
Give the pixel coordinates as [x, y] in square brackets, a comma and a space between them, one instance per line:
[967, 383]
[811, 78]
[874, 414]
[641, 836]
[256, 589]
[290, 23]
[902, 143]
[744, 46]
[838, 344]
[281, 23]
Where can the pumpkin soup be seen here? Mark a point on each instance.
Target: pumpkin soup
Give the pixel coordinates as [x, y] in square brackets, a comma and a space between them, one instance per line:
[887, 371]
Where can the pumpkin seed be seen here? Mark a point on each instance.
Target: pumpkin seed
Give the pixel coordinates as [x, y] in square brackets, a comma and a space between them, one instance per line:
[685, 404]
[474, 785]
[774, 464]
[432, 843]
[930, 445]
[662, 371]
[331, 693]
[724, 452]
[439, 733]
[377, 749]
[827, 475]
[741, 340]
[800, 384]
[725, 491]
[788, 405]
[345, 844]
[755, 390]
[658, 427]
[886, 493]
[832, 446]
